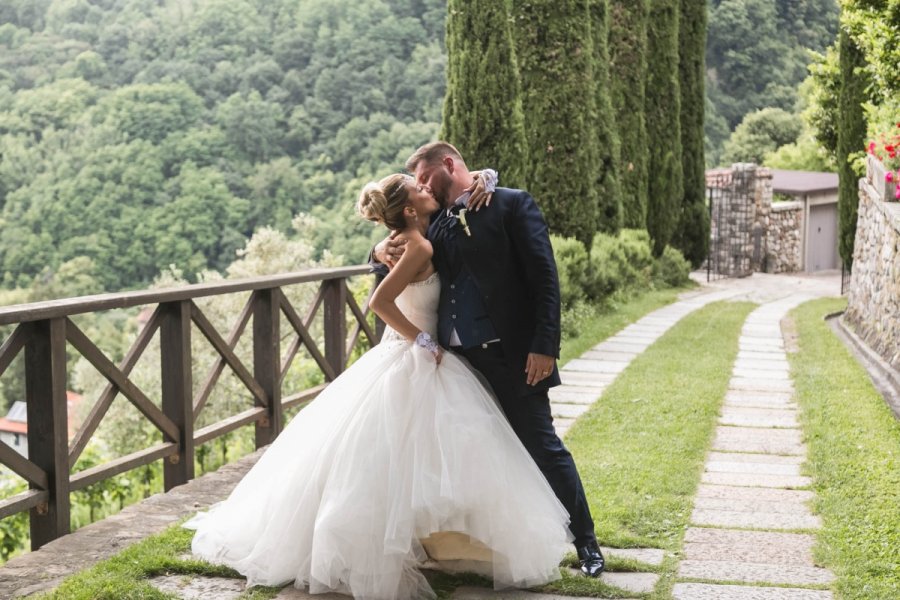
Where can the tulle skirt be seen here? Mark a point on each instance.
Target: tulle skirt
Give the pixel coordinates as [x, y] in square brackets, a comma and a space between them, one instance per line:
[393, 451]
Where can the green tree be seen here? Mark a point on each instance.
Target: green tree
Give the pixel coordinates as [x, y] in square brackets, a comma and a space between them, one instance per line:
[760, 133]
[627, 66]
[483, 104]
[662, 106]
[609, 189]
[692, 232]
[556, 60]
[851, 131]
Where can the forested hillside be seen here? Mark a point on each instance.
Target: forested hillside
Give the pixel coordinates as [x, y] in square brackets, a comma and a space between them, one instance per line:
[145, 133]
[757, 56]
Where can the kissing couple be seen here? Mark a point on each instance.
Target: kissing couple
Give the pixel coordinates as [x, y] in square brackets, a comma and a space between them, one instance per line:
[439, 441]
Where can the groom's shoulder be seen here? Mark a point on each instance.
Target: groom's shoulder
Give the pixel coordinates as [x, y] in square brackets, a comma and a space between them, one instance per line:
[505, 194]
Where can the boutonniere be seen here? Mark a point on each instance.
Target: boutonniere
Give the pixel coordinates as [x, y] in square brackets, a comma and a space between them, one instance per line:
[461, 217]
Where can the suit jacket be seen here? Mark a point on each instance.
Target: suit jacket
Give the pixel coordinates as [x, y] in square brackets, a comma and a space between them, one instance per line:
[511, 260]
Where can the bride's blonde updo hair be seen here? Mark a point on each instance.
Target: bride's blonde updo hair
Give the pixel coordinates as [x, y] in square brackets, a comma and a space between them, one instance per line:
[383, 202]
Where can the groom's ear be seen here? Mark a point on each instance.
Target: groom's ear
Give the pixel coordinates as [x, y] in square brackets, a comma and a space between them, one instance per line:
[448, 162]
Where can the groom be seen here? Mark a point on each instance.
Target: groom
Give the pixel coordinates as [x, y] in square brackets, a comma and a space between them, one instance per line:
[500, 309]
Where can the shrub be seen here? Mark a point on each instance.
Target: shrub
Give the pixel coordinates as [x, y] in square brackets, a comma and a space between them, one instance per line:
[572, 264]
[618, 263]
[671, 269]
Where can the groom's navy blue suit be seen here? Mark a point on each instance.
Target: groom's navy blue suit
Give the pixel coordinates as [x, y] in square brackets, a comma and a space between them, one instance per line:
[501, 282]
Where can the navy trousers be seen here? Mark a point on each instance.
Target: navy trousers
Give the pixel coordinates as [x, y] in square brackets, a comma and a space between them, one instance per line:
[528, 411]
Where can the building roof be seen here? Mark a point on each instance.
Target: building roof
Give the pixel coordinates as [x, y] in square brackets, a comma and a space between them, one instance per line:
[797, 183]
[7, 426]
[16, 420]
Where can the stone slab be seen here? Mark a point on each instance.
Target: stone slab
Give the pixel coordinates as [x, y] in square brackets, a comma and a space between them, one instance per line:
[707, 591]
[568, 396]
[650, 556]
[199, 588]
[755, 520]
[768, 459]
[563, 422]
[610, 355]
[767, 374]
[728, 492]
[579, 378]
[759, 399]
[760, 440]
[758, 345]
[722, 462]
[627, 337]
[759, 417]
[752, 554]
[636, 583]
[761, 385]
[610, 346]
[780, 364]
[292, 593]
[561, 431]
[757, 480]
[567, 411]
[753, 505]
[595, 366]
[477, 593]
[644, 329]
[776, 355]
[754, 572]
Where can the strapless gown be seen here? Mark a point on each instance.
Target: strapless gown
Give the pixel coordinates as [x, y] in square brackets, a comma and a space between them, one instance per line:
[396, 449]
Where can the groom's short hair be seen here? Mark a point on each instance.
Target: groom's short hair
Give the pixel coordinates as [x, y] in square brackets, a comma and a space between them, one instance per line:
[431, 154]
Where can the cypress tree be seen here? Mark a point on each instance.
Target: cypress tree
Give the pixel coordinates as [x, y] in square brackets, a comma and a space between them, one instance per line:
[851, 133]
[555, 52]
[692, 232]
[628, 63]
[483, 105]
[663, 109]
[609, 190]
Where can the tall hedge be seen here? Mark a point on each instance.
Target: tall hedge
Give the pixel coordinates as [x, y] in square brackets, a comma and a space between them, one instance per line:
[627, 24]
[555, 51]
[692, 232]
[662, 106]
[483, 106]
[851, 132]
[609, 189]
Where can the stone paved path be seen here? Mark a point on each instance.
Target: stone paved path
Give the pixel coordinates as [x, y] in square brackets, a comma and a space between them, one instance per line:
[753, 498]
[752, 471]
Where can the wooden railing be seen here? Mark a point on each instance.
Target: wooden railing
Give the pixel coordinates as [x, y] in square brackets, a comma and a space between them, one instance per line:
[44, 329]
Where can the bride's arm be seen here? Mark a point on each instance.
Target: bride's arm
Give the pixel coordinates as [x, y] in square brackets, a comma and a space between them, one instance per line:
[414, 260]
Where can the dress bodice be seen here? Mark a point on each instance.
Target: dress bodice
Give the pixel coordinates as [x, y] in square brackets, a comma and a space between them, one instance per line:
[419, 303]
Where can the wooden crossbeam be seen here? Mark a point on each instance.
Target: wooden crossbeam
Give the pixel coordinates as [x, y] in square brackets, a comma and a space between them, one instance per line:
[112, 373]
[22, 466]
[82, 479]
[11, 347]
[298, 339]
[212, 376]
[362, 325]
[98, 411]
[225, 351]
[294, 319]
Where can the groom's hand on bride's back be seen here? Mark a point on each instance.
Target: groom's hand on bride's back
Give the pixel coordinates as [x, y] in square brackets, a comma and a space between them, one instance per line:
[389, 250]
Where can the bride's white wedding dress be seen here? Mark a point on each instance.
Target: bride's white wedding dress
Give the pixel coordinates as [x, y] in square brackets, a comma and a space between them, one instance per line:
[395, 449]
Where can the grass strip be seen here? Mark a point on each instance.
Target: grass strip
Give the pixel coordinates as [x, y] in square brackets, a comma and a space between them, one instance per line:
[640, 448]
[601, 322]
[124, 576]
[853, 457]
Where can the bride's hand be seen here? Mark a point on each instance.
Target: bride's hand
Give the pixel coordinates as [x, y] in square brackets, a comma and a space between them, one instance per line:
[424, 340]
[479, 196]
[389, 250]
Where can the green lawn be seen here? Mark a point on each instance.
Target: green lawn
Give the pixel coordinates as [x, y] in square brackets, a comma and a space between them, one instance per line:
[854, 460]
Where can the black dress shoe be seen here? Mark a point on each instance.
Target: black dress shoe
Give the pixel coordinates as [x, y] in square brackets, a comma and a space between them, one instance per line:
[592, 561]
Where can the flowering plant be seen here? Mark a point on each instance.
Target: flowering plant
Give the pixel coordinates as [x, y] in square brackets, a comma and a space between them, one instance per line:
[886, 148]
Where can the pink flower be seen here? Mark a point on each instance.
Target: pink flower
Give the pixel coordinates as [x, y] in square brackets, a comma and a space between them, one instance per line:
[889, 176]
[871, 147]
[897, 193]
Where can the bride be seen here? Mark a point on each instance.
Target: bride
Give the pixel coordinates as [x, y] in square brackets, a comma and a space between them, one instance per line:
[405, 444]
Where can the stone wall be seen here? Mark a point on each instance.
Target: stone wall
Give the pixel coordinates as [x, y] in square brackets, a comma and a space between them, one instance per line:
[784, 239]
[873, 305]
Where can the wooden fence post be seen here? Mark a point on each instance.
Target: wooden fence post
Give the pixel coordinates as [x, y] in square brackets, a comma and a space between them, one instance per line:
[267, 361]
[177, 392]
[335, 301]
[45, 394]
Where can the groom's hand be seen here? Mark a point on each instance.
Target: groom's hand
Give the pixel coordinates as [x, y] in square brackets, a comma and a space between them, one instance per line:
[389, 250]
[538, 367]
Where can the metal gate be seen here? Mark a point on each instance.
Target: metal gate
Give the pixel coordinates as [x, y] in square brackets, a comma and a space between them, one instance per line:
[736, 243]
